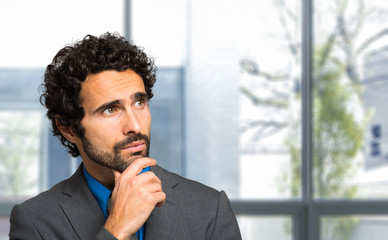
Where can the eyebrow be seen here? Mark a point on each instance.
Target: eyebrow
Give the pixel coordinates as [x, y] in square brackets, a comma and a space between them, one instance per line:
[140, 95]
[107, 105]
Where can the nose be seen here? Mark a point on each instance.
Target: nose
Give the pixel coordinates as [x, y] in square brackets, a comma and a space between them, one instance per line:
[131, 122]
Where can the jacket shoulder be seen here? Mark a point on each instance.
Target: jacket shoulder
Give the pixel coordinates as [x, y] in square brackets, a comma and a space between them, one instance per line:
[201, 211]
[45, 199]
[184, 185]
[38, 216]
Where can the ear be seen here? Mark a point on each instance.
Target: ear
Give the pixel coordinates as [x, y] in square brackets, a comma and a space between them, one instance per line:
[67, 132]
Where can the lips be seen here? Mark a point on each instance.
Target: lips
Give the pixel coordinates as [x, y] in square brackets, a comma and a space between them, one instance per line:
[135, 146]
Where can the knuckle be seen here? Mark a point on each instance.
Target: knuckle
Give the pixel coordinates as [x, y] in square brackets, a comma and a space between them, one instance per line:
[156, 179]
[132, 182]
[142, 190]
[159, 187]
[149, 198]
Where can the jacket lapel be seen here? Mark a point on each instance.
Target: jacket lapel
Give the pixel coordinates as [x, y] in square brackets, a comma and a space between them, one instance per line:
[81, 208]
[162, 222]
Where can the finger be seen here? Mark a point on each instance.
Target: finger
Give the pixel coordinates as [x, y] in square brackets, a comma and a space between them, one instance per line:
[137, 166]
[161, 196]
[116, 174]
[148, 177]
[151, 187]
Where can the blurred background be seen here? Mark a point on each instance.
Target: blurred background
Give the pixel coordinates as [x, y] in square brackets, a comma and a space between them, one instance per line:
[280, 103]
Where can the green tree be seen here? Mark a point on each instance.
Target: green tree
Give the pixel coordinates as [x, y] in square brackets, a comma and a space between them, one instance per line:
[337, 139]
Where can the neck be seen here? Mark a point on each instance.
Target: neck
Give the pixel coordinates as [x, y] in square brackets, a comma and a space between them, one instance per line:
[101, 173]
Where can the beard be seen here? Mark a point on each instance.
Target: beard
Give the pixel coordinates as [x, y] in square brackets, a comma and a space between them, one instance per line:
[114, 160]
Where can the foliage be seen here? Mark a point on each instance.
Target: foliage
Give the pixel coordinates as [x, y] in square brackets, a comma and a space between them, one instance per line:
[337, 134]
[337, 139]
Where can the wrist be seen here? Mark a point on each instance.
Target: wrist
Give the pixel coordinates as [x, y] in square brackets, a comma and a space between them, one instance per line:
[118, 231]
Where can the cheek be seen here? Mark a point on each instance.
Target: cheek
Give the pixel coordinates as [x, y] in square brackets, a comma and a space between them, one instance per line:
[146, 121]
[100, 135]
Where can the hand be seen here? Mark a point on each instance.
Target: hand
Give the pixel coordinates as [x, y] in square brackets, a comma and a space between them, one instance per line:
[133, 198]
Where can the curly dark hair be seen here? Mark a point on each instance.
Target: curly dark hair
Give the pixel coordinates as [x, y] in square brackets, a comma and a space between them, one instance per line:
[74, 63]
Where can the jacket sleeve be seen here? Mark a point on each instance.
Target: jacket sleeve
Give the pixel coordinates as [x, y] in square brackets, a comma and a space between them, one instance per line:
[104, 234]
[225, 225]
[21, 225]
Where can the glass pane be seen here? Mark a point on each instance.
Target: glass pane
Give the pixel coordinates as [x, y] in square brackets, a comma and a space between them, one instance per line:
[4, 228]
[167, 113]
[265, 227]
[19, 152]
[168, 19]
[349, 99]
[36, 30]
[354, 227]
[243, 97]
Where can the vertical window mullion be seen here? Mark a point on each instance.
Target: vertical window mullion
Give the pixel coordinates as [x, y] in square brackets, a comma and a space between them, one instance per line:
[127, 19]
[311, 218]
[307, 192]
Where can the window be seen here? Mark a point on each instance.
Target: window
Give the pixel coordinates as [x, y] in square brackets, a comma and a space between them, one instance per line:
[279, 103]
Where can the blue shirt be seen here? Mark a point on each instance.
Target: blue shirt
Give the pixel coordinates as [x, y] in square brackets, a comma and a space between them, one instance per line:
[101, 193]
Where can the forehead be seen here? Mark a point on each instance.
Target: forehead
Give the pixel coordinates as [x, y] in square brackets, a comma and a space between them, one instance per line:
[111, 85]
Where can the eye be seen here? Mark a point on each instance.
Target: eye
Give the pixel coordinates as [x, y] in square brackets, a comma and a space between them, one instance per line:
[109, 110]
[139, 103]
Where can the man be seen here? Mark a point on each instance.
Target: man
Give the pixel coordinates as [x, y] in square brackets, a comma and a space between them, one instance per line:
[96, 93]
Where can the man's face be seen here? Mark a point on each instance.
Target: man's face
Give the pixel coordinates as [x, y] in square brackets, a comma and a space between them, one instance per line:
[117, 119]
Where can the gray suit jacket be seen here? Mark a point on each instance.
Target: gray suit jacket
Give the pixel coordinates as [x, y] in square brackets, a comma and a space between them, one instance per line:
[69, 211]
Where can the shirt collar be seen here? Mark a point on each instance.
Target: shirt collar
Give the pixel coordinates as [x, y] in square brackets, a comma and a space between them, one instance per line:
[99, 191]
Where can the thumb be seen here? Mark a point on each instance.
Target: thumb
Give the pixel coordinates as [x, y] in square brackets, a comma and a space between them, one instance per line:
[116, 175]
